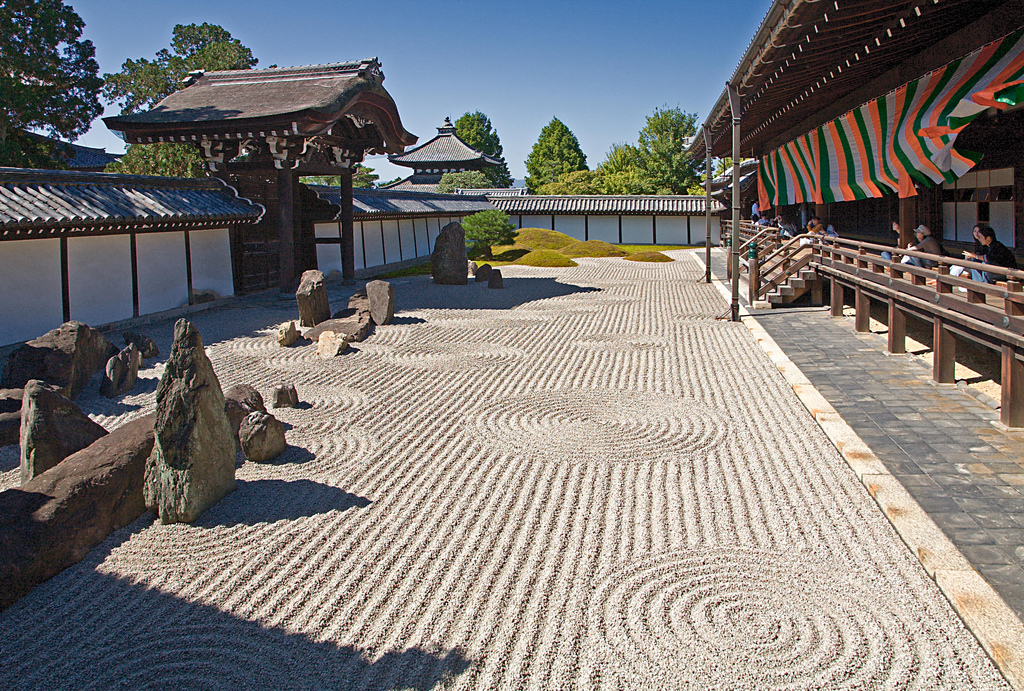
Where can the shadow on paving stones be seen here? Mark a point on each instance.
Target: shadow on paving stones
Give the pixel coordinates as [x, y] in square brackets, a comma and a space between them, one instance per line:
[517, 291]
[138, 637]
[267, 501]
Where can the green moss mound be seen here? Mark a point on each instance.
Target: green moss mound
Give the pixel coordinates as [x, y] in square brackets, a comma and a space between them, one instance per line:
[544, 258]
[542, 239]
[593, 248]
[649, 257]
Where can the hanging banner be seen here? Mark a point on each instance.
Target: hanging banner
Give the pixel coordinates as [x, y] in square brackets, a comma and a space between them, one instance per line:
[907, 135]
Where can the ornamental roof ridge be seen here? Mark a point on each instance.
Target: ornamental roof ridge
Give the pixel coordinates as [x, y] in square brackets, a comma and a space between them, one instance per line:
[445, 147]
[318, 71]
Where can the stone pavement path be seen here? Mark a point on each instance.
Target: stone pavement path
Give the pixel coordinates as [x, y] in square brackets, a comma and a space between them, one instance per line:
[938, 441]
[581, 481]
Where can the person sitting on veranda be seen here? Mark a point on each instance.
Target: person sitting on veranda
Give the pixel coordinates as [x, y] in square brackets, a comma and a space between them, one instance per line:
[991, 252]
[786, 228]
[814, 226]
[924, 243]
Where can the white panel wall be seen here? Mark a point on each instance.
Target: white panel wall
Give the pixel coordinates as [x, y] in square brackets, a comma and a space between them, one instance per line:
[408, 242]
[637, 230]
[573, 226]
[433, 230]
[374, 245]
[30, 289]
[163, 283]
[949, 220]
[328, 257]
[537, 222]
[357, 243]
[716, 230]
[1000, 217]
[211, 261]
[391, 250]
[698, 236]
[671, 230]
[604, 228]
[100, 279]
[420, 231]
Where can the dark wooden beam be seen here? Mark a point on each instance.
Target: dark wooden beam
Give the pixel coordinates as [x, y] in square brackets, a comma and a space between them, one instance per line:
[348, 238]
[286, 182]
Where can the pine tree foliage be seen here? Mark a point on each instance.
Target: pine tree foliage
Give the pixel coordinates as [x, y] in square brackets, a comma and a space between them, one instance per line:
[485, 229]
[476, 130]
[557, 151]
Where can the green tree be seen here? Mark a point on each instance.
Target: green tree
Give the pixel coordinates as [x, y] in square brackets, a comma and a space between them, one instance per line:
[576, 182]
[557, 151]
[466, 180]
[142, 83]
[363, 177]
[476, 130]
[485, 229]
[622, 171]
[662, 147]
[48, 81]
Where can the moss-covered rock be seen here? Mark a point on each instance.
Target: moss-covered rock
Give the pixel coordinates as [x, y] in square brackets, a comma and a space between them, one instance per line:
[544, 258]
[592, 248]
[542, 239]
[649, 257]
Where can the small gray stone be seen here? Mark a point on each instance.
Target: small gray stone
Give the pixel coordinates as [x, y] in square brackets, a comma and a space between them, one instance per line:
[285, 396]
[353, 329]
[472, 268]
[239, 401]
[312, 299]
[330, 345]
[146, 345]
[122, 372]
[192, 466]
[449, 260]
[483, 273]
[494, 280]
[288, 335]
[262, 437]
[381, 296]
[52, 428]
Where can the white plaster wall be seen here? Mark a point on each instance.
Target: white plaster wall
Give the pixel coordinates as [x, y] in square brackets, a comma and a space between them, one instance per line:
[605, 228]
[409, 250]
[30, 289]
[391, 249]
[698, 234]
[163, 282]
[537, 222]
[573, 226]
[374, 244]
[211, 261]
[357, 244]
[433, 230]
[100, 279]
[671, 230]
[328, 257]
[637, 230]
[420, 232]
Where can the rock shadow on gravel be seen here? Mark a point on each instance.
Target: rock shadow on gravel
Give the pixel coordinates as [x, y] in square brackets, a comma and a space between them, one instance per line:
[268, 501]
[153, 639]
[423, 294]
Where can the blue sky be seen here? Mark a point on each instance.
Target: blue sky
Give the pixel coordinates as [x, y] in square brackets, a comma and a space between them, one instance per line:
[599, 66]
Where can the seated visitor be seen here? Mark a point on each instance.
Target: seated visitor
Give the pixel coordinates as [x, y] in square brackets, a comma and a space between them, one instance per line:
[831, 231]
[925, 243]
[786, 228]
[814, 226]
[991, 252]
[974, 256]
[895, 229]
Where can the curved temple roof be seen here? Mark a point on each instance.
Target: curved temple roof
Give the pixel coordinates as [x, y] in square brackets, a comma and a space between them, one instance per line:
[446, 147]
[387, 204]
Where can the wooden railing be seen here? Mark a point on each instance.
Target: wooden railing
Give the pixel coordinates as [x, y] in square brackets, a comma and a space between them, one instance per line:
[989, 314]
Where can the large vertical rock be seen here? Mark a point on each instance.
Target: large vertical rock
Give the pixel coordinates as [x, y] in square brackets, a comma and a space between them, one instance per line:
[122, 372]
[381, 296]
[66, 357]
[312, 299]
[449, 259]
[52, 428]
[192, 466]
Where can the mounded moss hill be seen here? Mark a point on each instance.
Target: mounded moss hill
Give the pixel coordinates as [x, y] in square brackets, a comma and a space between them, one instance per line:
[542, 239]
[544, 258]
[592, 248]
[648, 257]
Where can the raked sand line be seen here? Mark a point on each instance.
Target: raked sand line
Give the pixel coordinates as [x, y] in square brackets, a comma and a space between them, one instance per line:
[612, 490]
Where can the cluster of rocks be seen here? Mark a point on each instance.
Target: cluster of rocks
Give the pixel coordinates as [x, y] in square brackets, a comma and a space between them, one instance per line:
[333, 333]
[450, 265]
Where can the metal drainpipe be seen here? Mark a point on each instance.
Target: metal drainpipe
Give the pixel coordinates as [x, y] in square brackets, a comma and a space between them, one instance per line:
[707, 205]
[734, 254]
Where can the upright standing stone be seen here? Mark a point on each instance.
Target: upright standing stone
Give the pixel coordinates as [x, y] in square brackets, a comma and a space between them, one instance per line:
[483, 273]
[192, 466]
[449, 259]
[494, 279]
[287, 335]
[312, 299]
[66, 357]
[52, 428]
[285, 396]
[146, 345]
[472, 268]
[381, 295]
[122, 372]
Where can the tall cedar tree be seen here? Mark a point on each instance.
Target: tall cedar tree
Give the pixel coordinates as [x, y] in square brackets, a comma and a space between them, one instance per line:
[142, 83]
[48, 81]
[476, 130]
[557, 151]
[662, 148]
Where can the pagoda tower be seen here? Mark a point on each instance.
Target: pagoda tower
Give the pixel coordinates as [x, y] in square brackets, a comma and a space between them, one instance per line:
[445, 153]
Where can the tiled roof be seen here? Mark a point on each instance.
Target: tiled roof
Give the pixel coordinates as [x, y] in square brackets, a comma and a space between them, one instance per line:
[392, 203]
[496, 191]
[53, 199]
[89, 157]
[446, 147]
[587, 204]
[420, 182]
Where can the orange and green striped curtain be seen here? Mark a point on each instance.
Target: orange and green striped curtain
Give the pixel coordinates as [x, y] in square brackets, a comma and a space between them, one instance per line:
[885, 145]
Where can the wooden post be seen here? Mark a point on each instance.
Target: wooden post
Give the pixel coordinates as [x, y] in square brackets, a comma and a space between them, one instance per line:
[707, 205]
[1011, 411]
[943, 353]
[1013, 309]
[836, 298]
[897, 329]
[348, 237]
[908, 220]
[286, 228]
[735, 106]
[753, 277]
[862, 306]
[817, 292]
